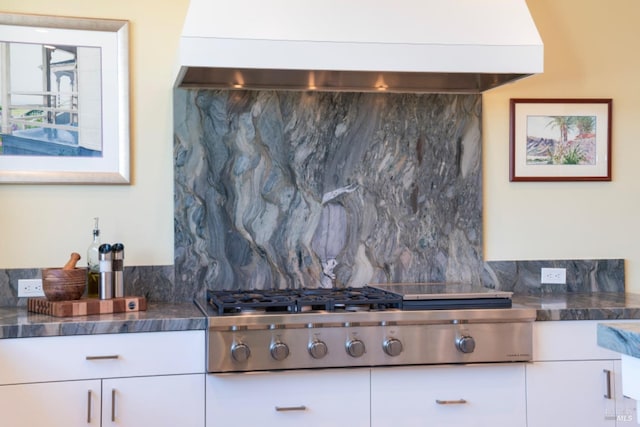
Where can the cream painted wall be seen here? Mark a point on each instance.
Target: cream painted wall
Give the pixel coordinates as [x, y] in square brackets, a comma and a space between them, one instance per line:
[590, 51]
[39, 224]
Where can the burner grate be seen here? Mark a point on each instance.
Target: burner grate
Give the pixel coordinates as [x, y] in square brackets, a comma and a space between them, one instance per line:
[233, 302]
[356, 299]
[302, 300]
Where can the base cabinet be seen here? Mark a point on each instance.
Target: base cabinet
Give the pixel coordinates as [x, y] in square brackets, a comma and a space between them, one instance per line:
[138, 379]
[580, 393]
[167, 401]
[571, 393]
[465, 396]
[626, 407]
[630, 367]
[572, 381]
[59, 404]
[310, 399]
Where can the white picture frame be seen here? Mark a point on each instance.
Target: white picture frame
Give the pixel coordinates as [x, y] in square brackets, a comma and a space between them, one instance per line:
[107, 42]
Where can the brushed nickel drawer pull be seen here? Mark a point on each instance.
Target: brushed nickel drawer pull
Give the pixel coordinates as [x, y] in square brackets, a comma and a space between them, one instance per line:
[291, 408]
[108, 357]
[607, 378]
[89, 407]
[451, 402]
[113, 405]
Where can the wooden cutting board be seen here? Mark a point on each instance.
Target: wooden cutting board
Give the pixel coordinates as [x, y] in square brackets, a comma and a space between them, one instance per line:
[86, 306]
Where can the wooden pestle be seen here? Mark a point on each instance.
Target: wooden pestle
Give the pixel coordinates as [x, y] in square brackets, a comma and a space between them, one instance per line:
[71, 264]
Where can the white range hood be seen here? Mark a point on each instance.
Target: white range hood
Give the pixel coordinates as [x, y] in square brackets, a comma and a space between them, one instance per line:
[464, 46]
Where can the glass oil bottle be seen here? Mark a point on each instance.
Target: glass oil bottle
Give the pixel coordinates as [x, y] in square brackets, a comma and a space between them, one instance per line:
[93, 263]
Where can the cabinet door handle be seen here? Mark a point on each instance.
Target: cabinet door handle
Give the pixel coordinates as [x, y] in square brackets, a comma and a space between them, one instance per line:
[113, 405]
[607, 379]
[291, 408]
[89, 407]
[451, 402]
[107, 357]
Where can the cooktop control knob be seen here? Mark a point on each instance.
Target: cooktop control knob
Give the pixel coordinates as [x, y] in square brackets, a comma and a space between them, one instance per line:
[392, 346]
[240, 352]
[279, 350]
[355, 348]
[317, 349]
[466, 344]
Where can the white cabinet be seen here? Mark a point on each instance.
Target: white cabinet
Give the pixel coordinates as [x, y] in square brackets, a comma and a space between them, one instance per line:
[471, 395]
[572, 381]
[571, 393]
[626, 407]
[59, 404]
[161, 401]
[24, 360]
[169, 401]
[400, 396]
[630, 367]
[300, 398]
[137, 379]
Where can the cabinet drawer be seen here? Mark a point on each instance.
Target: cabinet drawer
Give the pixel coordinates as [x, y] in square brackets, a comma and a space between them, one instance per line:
[570, 340]
[24, 360]
[301, 398]
[465, 396]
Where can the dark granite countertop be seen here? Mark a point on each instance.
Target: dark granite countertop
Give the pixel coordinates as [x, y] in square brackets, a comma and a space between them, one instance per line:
[620, 337]
[20, 323]
[583, 306]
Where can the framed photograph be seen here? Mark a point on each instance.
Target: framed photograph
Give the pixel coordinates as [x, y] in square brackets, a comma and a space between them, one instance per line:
[560, 140]
[64, 100]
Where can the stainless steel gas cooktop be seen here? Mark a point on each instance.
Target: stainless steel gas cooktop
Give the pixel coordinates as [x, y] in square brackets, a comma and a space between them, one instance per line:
[376, 325]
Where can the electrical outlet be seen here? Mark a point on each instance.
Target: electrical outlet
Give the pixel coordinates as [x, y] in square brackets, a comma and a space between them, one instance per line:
[553, 276]
[30, 288]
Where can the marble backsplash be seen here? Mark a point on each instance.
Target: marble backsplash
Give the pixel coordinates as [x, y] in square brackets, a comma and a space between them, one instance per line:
[157, 283]
[523, 277]
[291, 189]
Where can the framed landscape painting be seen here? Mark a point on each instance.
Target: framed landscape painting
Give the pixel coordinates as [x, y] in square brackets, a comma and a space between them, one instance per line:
[560, 140]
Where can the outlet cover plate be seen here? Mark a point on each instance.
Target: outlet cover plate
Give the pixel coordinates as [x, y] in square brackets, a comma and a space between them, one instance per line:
[553, 276]
[30, 288]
